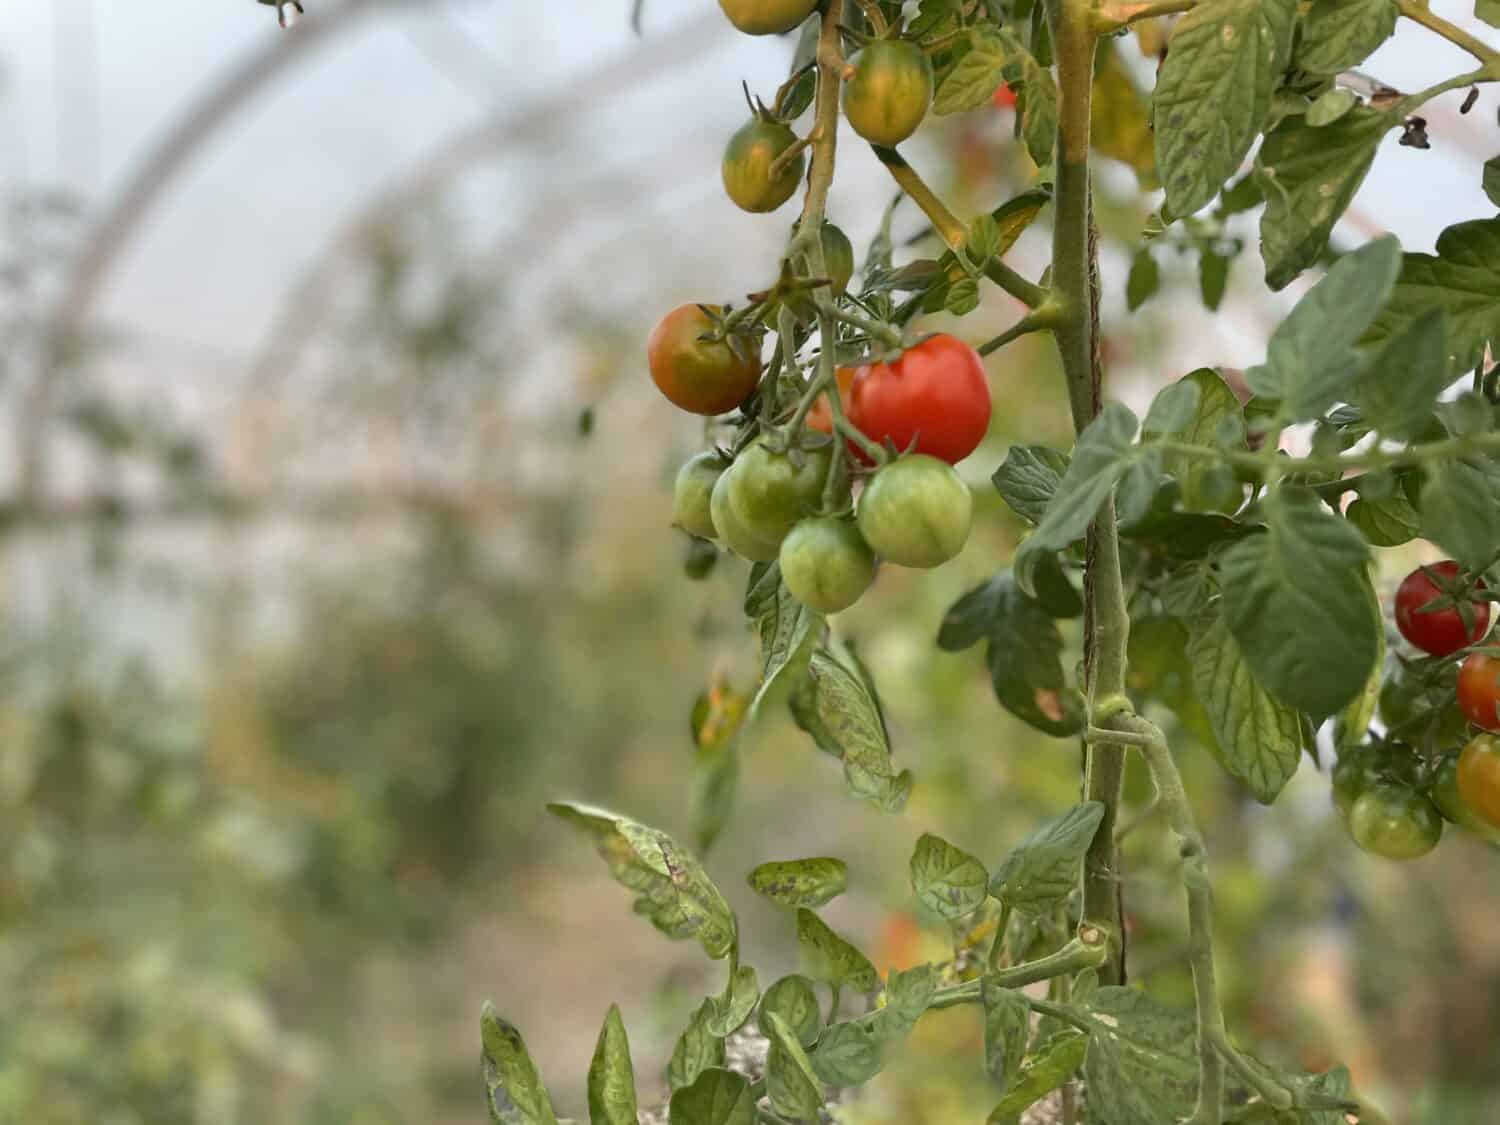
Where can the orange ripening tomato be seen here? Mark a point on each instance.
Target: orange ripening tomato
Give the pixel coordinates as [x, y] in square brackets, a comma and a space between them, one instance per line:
[1005, 97]
[935, 394]
[699, 376]
[820, 417]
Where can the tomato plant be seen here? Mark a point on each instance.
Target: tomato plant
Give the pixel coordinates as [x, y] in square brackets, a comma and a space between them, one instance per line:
[933, 399]
[699, 374]
[1180, 555]
[1437, 629]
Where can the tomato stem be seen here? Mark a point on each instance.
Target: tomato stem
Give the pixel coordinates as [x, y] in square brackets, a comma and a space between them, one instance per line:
[1418, 12]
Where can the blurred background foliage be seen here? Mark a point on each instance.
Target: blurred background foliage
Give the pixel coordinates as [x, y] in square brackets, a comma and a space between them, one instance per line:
[291, 661]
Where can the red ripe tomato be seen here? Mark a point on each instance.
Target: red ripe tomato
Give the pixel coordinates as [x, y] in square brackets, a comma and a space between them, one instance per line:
[1005, 97]
[1440, 632]
[1479, 690]
[935, 393]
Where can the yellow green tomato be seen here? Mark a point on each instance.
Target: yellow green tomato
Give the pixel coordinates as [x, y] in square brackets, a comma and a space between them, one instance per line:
[769, 492]
[916, 512]
[731, 532]
[767, 17]
[1450, 802]
[826, 564]
[887, 90]
[692, 493]
[1395, 822]
[747, 166]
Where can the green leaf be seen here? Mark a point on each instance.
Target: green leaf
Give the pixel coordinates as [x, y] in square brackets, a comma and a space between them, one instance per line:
[793, 999]
[1330, 106]
[1049, 1067]
[697, 1049]
[1141, 1062]
[1216, 405]
[788, 630]
[1295, 600]
[1213, 91]
[908, 993]
[1213, 277]
[716, 1097]
[1038, 106]
[962, 297]
[790, 1080]
[1024, 654]
[1460, 502]
[1007, 1026]
[674, 891]
[1159, 667]
[1041, 872]
[1463, 280]
[1311, 358]
[1309, 174]
[973, 80]
[838, 707]
[1255, 738]
[1488, 11]
[733, 1007]
[1100, 458]
[1144, 279]
[1491, 180]
[1387, 522]
[1028, 477]
[516, 1095]
[1174, 408]
[849, 1054]
[611, 1079]
[1395, 395]
[801, 882]
[947, 880]
[984, 239]
[1353, 722]
[1338, 35]
[830, 958]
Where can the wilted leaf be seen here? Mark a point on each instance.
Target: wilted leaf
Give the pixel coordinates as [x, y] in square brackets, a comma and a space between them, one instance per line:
[516, 1095]
[793, 999]
[801, 882]
[1043, 869]
[830, 958]
[947, 880]
[611, 1084]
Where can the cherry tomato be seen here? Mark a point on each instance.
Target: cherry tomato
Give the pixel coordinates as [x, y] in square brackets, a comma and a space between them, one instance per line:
[699, 376]
[1395, 822]
[692, 492]
[820, 417]
[1442, 631]
[767, 17]
[916, 512]
[887, 90]
[1450, 801]
[1479, 778]
[769, 491]
[1479, 690]
[1423, 710]
[731, 532]
[826, 564]
[747, 166]
[1005, 97]
[935, 393]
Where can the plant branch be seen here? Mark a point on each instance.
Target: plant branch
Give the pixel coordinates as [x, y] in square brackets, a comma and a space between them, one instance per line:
[1040, 319]
[1418, 12]
[874, 329]
[1461, 446]
[1113, 17]
[1075, 957]
[1075, 292]
[1473, 78]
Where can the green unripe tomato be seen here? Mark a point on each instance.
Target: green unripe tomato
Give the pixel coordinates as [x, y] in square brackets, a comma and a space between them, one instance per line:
[747, 165]
[916, 512]
[767, 17]
[826, 564]
[1450, 802]
[692, 493]
[732, 533]
[1395, 822]
[1403, 698]
[1354, 774]
[838, 257]
[887, 90]
[770, 492]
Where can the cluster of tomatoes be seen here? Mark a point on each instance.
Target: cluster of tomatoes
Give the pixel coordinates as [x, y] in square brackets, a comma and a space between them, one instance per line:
[1395, 794]
[887, 90]
[784, 494]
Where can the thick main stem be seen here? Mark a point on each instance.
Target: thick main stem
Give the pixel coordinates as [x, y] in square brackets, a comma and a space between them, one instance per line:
[1075, 290]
